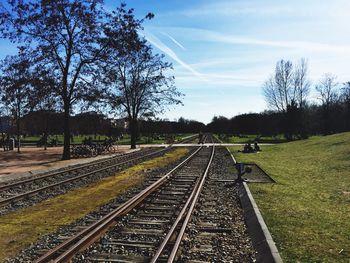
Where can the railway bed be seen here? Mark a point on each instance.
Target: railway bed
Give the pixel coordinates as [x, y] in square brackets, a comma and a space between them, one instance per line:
[51, 240]
[191, 213]
[25, 192]
[217, 232]
[152, 227]
[137, 239]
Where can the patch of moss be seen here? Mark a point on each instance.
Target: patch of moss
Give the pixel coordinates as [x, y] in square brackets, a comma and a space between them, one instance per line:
[23, 227]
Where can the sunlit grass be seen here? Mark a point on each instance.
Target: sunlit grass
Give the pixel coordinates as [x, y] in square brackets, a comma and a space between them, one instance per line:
[78, 139]
[308, 210]
[23, 227]
[251, 138]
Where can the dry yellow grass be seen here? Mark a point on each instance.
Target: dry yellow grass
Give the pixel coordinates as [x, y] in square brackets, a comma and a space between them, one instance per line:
[23, 227]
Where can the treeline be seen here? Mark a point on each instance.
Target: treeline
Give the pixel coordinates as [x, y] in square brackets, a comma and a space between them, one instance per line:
[169, 127]
[93, 123]
[252, 123]
[50, 123]
[292, 113]
[270, 123]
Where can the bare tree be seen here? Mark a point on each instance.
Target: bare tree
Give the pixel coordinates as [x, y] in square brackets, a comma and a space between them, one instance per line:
[327, 90]
[272, 95]
[278, 88]
[287, 85]
[328, 95]
[286, 91]
[283, 80]
[301, 90]
[64, 35]
[345, 96]
[137, 78]
[15, 83]
[301, 83]
[345, 92]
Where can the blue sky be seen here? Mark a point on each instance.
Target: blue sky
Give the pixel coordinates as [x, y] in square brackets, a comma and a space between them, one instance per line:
[222, 51]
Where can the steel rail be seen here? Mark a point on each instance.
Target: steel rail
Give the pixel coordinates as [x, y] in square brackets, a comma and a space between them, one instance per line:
[189, 138]
[189, 207]
[92, 233]
[29, 193]
[7, 186]
[189, 213]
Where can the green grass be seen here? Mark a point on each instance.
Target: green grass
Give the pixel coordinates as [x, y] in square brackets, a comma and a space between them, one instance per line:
[308, 210]
[125, 141]
[77, 139]
[251, 138]
[161, 138]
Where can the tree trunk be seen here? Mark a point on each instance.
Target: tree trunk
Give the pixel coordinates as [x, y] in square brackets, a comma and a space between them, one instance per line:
[45, 141]
[2, 129]
[66, 129]
[133, 132]
[46, 132]
[18, 136]
[348, 116]
[302, 123]
[326, 121]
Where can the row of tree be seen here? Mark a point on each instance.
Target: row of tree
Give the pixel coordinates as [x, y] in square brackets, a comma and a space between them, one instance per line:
[291, 112]
[287, 91]
[74, 55]
[171, 127]
[49, 123]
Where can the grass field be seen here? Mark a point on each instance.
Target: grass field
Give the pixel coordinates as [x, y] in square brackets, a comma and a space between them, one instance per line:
[77, 139]
[251, 138]
[308, 210]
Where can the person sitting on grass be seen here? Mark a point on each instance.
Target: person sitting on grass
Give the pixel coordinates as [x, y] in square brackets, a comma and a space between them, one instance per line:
[248, 148]
[256, 147]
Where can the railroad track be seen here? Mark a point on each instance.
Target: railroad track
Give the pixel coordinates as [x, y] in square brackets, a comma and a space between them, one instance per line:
[13, 192]
[217, 232]
[188, 139]
[208, 138]
[148, 227]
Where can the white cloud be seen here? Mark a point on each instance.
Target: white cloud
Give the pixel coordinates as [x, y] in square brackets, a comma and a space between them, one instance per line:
[168, 51]
[175, 41]
[337, 10]
[233, 9]
[213, 36]
[234, 79]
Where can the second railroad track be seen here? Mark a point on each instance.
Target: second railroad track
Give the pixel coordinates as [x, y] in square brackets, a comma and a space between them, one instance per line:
[154, 220]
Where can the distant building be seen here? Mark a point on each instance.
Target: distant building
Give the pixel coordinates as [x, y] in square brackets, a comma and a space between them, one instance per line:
[89, 113]
[122, 123]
